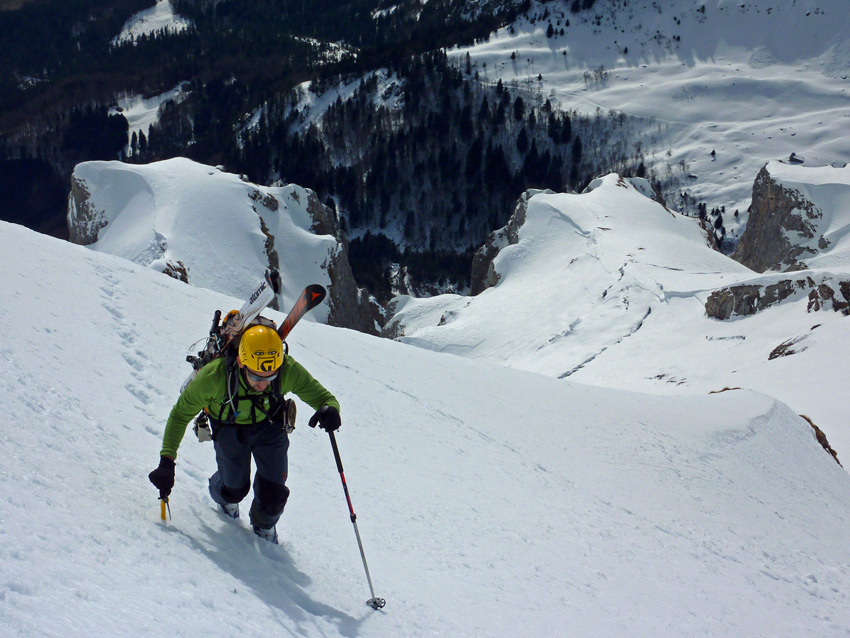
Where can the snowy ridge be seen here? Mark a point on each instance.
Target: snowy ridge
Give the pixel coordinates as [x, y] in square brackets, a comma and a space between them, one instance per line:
[608, 287]
[590, 267]
[221, 230]
[491, 501]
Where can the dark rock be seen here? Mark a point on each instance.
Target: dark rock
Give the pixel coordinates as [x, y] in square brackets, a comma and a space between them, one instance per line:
[776, 211]
[84, 220]
[484, 274]
[350, 307]
[747, 299]
[735, 300]
[821, 438]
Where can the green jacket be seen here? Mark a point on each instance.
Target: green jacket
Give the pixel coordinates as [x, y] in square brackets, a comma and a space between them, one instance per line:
[209, 390]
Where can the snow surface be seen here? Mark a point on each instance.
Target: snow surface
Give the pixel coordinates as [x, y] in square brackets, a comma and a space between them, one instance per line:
[609, 288]
[159, 17]
[211, 221]
[140, 112]
[491, 501]
[606, 287]
[753, 81]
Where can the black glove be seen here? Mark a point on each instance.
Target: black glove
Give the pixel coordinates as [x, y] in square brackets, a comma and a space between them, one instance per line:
[327, 417]
[163, 476]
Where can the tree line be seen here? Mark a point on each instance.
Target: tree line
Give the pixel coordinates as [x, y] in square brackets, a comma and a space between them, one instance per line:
[434, 168]
[428, 154]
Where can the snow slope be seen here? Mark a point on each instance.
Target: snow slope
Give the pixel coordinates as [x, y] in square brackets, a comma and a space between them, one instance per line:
[141, 112]
[751, 80]
[491, 501]
[609, 288]
[180, 212]
[160, 17]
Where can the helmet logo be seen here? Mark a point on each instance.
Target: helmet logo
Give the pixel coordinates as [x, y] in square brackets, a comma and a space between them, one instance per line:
[266, 360]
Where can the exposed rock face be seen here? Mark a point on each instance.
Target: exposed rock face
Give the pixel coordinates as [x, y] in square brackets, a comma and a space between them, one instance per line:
[102, 192]
[748, 299]
[778, 211]
[84, 220]
[830, 295]
[177, 271]
[349, 306]
[484, 274]
[268, 200]
[821, 437]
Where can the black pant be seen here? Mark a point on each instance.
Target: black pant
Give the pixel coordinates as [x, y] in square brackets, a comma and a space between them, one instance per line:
[268, 443]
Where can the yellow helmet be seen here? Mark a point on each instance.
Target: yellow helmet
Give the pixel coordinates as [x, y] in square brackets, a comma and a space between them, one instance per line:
[261, 349]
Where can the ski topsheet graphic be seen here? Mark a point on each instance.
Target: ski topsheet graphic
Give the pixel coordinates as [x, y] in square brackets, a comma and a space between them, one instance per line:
[309, 298]
[261, 297]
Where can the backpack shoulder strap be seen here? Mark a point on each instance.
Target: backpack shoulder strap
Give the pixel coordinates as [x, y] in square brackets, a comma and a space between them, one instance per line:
[227, 413]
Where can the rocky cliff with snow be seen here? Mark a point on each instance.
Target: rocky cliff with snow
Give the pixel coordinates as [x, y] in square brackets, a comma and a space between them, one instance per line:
[823, 292]
[783, 228]
[484, 274]
[799, 223]
[215, 230]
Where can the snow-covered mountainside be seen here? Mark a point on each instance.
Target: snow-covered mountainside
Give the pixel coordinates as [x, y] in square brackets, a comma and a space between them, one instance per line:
[203, 225]
[491, 501]
[158, 18]
[728, 84]
[610, 288]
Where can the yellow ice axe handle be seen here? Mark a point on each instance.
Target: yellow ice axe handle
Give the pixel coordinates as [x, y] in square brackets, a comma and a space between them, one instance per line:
[164, 507]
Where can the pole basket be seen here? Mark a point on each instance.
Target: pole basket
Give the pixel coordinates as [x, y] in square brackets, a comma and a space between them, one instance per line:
[376, 603]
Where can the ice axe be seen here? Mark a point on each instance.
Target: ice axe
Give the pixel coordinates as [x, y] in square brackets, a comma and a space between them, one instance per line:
[164, 506]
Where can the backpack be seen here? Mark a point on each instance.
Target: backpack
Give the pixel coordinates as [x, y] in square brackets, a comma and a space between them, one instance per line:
[223, 342]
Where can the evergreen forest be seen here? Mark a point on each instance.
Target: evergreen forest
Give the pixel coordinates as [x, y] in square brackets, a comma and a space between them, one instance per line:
[421, 159]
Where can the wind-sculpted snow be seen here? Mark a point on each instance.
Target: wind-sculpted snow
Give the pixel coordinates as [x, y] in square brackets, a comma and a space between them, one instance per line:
[585, 273]
[491, 501]
[181, 215]
[610, 288]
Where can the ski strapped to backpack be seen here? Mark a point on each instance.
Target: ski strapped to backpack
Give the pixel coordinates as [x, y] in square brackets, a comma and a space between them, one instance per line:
[262, 296]
[309, 298]
[224, 337]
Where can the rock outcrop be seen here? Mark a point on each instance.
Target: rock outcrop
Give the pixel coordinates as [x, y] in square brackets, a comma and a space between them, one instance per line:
[782, 221]
[484, 275]
[84, 219]
[350, 307]
[824, 293]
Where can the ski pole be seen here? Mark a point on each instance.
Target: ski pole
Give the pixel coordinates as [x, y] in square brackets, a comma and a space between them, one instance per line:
[373, 602]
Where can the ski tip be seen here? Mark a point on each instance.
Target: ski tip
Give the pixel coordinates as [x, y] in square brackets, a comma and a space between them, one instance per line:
[315, 295]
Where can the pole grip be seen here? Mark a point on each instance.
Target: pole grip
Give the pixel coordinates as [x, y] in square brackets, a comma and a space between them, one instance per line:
[336, 452]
